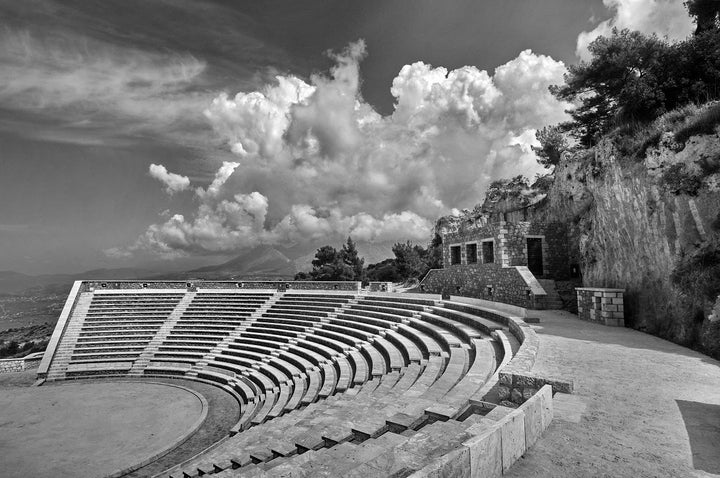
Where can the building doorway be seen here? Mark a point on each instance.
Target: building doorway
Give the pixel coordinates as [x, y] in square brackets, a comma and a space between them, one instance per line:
[535, 255]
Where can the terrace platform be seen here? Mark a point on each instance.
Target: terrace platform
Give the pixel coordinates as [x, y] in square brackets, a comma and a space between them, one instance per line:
[641, 406]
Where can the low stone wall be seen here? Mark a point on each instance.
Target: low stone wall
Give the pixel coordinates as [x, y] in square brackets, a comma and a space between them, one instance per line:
[604, 306]
[381, 287]
[200, 284]
[20, 364]
[12, 365]
[500, 444]
[485, 281]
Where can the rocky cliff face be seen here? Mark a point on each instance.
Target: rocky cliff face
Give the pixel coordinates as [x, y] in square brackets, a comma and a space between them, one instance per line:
[633, 225]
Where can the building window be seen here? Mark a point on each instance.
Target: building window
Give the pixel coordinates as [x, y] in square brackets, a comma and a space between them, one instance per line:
[455, 255]
[471, 253]
[488, 252]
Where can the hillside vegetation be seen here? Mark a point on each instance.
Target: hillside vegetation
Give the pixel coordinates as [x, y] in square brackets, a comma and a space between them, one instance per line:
[636, 173]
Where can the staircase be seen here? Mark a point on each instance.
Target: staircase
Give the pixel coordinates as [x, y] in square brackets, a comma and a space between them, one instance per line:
[64, 351]
[552, 301]
[241, 327]
[142, 362]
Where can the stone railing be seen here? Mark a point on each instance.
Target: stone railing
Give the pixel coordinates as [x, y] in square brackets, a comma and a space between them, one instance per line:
[351, 286]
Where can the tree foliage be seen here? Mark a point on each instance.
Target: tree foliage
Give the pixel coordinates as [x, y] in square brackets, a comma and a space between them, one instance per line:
[632, 78]
[623, 81]
[330, 264]
[349, 256]
[552, 144]
[706, 13]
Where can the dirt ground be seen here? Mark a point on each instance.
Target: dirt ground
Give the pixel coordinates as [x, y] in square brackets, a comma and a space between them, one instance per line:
[642, 407]
[89, 429]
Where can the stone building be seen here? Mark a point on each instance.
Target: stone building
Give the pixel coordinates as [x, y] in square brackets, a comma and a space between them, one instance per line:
[508, 257]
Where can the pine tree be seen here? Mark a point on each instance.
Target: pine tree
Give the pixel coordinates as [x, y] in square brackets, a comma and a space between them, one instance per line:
[349, 255]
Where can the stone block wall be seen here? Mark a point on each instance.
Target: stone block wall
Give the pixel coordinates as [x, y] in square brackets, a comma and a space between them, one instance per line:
[601, 305]
[506, 283]
[12, 365]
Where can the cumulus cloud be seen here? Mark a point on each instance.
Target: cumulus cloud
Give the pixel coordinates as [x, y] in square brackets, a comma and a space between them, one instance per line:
[663, 17]
[315, 162]
[173, 182]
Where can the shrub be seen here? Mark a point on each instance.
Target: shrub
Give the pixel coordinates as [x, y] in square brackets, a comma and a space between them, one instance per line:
[698, 274]
[678, 179]
[704, 123]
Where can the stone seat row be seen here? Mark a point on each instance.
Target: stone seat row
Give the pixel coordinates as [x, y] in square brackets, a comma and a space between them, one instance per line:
[396, 400]
[440, 374]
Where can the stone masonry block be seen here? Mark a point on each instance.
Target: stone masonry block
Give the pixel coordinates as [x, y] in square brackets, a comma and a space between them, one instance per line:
[546, 406]
[617, 301]
[455, 464]
[533, 420]
[513, 438]
[486, 453]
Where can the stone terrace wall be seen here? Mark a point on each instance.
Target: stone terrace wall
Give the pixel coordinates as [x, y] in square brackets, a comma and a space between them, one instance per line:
[472, 280]
[200, 284]
[604, 306]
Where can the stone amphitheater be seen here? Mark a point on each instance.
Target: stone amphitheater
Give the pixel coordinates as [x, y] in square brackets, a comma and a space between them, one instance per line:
[301, 379]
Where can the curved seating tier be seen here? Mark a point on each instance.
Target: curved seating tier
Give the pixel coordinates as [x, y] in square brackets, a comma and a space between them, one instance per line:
[317, 375]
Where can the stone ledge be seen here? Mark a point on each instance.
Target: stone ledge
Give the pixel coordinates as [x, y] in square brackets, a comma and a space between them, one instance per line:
[496, 448]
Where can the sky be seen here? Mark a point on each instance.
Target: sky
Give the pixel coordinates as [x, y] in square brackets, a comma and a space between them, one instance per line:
[165, 134]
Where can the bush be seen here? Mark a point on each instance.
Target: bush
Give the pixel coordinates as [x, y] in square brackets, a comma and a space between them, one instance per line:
[678, 179]
[698, 274]
[704, 123]
[710, 338]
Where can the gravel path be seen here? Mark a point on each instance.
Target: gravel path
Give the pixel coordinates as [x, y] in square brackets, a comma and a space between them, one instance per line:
[642, 407]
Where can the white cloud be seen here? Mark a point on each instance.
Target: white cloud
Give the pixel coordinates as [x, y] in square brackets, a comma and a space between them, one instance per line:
[315, 162]
[78, 78]
[221, 176]
[663, 17]
[173, 182]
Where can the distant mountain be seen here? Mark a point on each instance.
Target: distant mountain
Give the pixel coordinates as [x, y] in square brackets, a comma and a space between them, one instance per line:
[372, 253]
[262, 262]
[258, 261]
